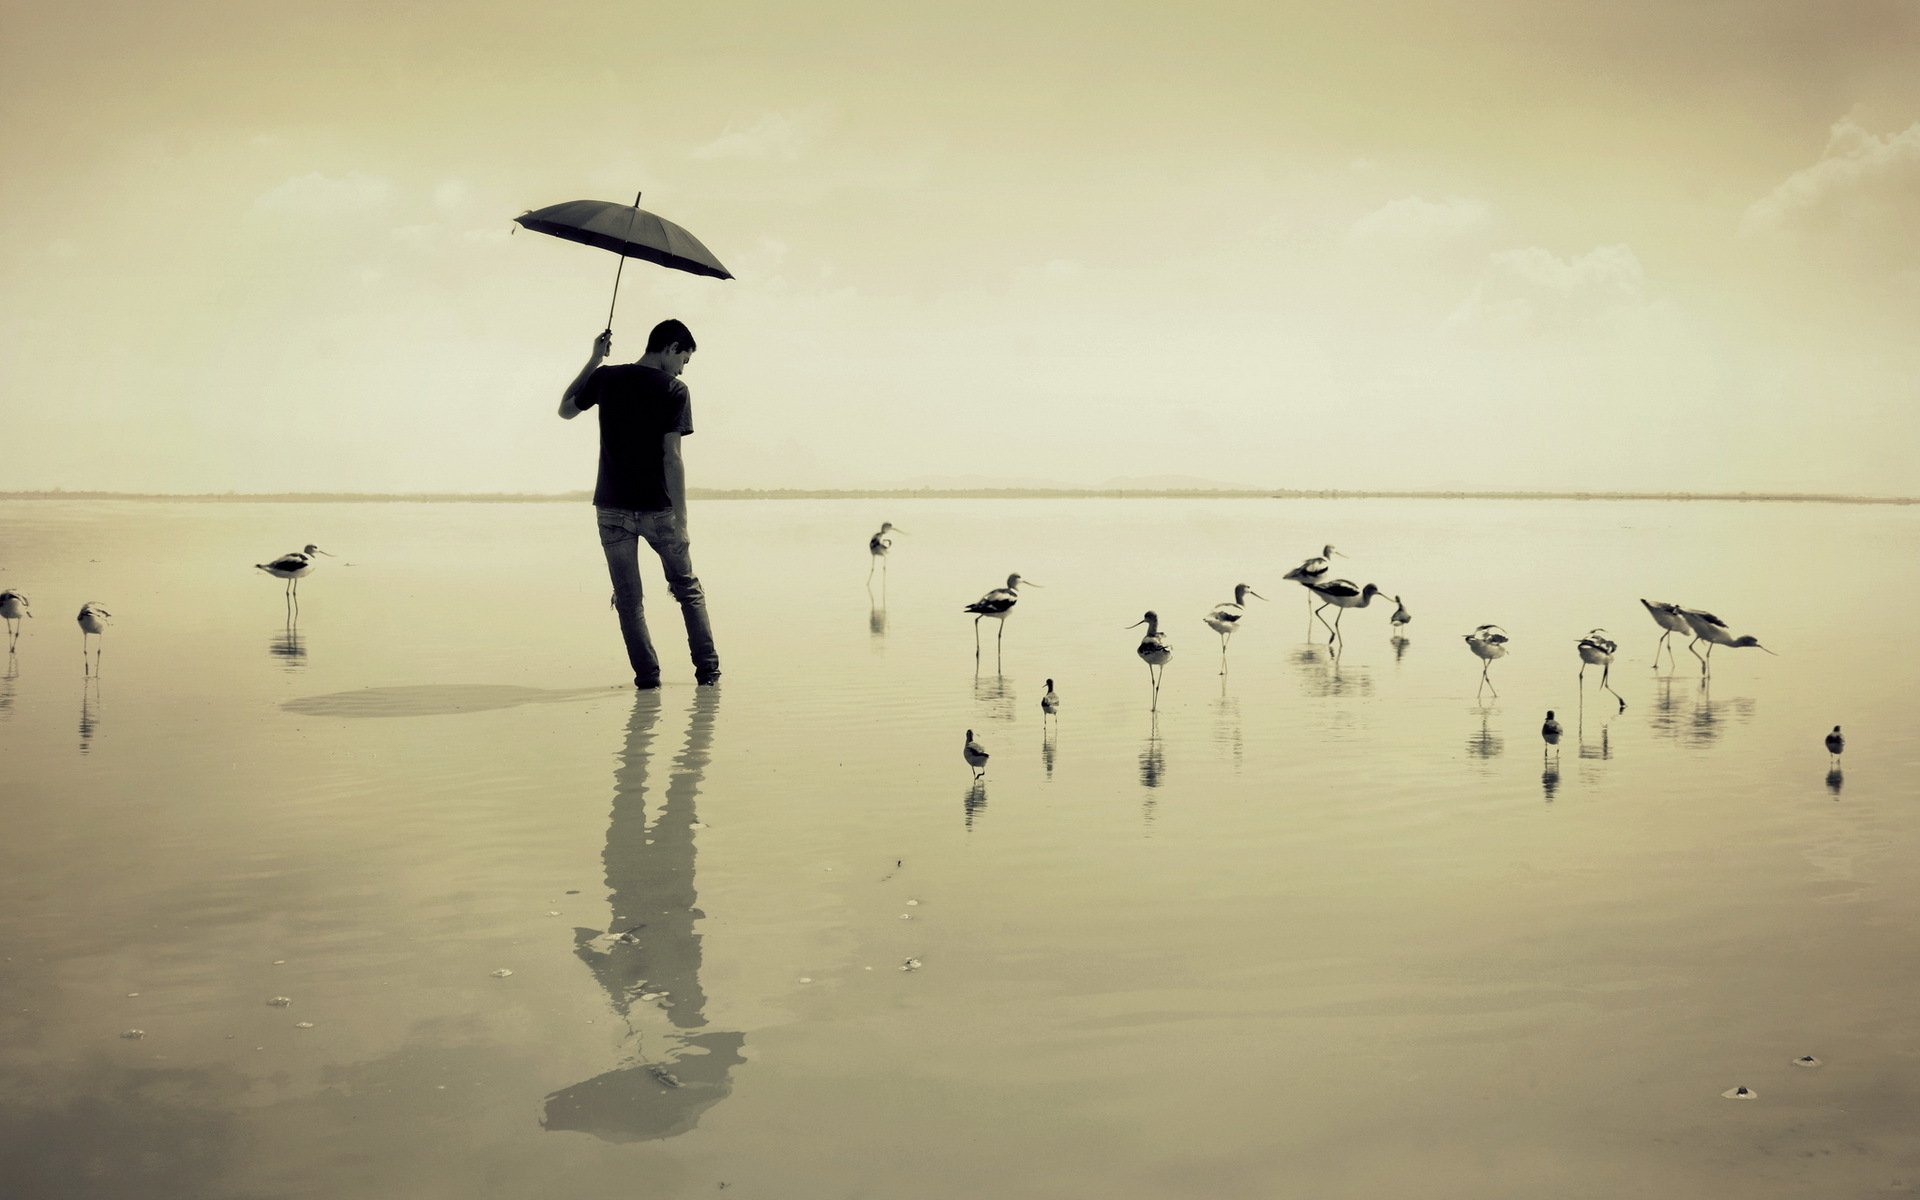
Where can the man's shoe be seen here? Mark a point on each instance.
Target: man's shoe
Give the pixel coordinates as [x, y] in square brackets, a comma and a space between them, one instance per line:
[706, 677]
[646, 685]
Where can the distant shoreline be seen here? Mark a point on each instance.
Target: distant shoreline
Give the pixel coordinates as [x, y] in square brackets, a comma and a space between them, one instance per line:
[953, 494]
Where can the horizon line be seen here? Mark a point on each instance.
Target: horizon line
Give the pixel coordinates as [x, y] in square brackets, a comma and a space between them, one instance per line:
[966, 493]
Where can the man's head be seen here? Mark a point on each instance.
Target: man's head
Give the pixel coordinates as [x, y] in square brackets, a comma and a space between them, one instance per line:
[669, 346]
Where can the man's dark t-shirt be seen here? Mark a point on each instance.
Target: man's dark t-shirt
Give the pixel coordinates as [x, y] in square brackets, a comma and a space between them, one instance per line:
[638, 406]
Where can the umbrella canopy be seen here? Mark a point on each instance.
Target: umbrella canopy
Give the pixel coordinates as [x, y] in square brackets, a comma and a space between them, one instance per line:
[629, 231]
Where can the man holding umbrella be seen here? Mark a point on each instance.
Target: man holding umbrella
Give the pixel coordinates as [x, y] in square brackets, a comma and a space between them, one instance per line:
[641, 491]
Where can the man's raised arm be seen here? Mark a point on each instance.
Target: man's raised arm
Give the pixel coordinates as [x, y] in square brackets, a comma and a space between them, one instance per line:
[601, 346]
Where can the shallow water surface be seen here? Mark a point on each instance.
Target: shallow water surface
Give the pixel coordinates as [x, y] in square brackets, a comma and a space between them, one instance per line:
[1328, 923]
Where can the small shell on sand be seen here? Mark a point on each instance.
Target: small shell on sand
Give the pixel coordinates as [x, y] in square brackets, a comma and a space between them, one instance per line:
[303, 1024]
[280, 1001]
[502, 973]
[1742, 1092]
[134, 1035]
[1806, 1060]
[912, 964]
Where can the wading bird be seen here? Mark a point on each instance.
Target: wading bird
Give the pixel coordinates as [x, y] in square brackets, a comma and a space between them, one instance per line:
[1596, 650]
[1712, 630]
[1666, 616]
[1313, 570]
[878, 545]
[976, 756]
[1153, 651]
[13, 606]
[93, 620]
[1050, 703]
[1489, 642]
[1401, 617]
[1223, 619]
[292, 567]
[1550, 733]
[996, 604]
[1836, 744]
[1342, 594]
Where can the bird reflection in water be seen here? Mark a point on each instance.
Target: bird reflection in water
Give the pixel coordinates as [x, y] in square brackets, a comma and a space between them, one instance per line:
[1835, 781]
[1321, 672]
[648, 959]
[1711, 716]
[1486, 743]
[1399, 642]
[89, 712]
[1153, 766]
[1550, 777]
[1049, 745]
[288, 646]
[877, 621]
[7, 684]
[1599, 750]
[1228, 731]
[974, 800]
[996, 693]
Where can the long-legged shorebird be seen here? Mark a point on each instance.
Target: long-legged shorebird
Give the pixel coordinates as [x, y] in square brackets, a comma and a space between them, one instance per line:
[1224, 618]
[1489, 642]
[975, 755]
[1550, 733]
[293, 567]
[1050, 703]
[14, 607]
[1153, 651]
[996, 604]
[1401, 618]
[1713, 631]
[1667, 617]
[1596, 650]
[1313, 570]
[93, 621]
[878, 545]
[1342, 594]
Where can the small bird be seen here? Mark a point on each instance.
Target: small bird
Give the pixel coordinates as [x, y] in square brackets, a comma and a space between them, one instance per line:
[13, 606]
[1342, 594]
[1489, 642]
[1224, 618]
[1401, 617]
[996, 604]
[292, 567]
[93, 620]
[1712, 630]
[1666, 616]
[878, 545]
[1050, 703]
[1153, 651]
[1550, 731]
[1836, 744]
[976, 756]
[1596, 649]
[1313, 570]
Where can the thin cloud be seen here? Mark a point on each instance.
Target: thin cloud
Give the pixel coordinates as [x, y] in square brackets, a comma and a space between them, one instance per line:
[1858, 169]
[317, 195]
[1418, 219]
[770, 137]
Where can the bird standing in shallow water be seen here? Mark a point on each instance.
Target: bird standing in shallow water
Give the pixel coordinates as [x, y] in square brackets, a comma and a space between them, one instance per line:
[1153, 651]
[1489, 642]
[1836, 744]
[1550, 732]
[1050, 703]
[976, 756]
[1224, 618]
[878, 545]
[93, 620]
[996, 604]
[1596, 649]
[292, 567]
[1342, 594]
[13, 606]
[1712, 630]
[1401, 617]
[1313, 570]
[1666, 616]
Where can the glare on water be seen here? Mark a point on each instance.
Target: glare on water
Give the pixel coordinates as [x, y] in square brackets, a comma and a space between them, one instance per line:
[1326, 924]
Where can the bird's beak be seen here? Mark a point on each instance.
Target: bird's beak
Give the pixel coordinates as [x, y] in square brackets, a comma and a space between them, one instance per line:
[1340, 554]
[1758, 646]
[1025, 582]
[318, 550]
[1136, 625]
[1255, 595]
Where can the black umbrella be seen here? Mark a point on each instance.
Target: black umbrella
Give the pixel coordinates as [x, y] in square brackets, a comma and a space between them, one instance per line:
[629, 231]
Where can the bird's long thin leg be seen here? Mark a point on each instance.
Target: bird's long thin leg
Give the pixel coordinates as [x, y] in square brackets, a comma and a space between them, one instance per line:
[1697, 654]
[875, 561]
[1706, 666]
[1321, 619]
[1337, 616]
[976, 639]
[1583, 673]
[1605, 671]
[1223, 654]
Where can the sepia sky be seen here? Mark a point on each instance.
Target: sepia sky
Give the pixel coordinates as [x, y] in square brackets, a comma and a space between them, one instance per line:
[1524, 244]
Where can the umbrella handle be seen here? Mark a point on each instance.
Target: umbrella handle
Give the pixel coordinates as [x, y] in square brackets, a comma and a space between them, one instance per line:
[623, 263]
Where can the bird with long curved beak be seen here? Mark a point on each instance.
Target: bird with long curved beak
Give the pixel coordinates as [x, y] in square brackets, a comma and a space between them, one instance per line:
[996, 604]
[1153, 651]
[1313, 570]
[292, 567]
[1225, 617]
[14, 607]
[1713, 631]
[1488, 642]
[1596, 650]
[879, 544]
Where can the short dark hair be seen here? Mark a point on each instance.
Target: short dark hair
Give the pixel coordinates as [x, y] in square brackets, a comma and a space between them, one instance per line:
[670, 333]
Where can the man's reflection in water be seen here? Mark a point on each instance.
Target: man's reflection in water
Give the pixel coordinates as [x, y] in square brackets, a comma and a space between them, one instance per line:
[651, 950]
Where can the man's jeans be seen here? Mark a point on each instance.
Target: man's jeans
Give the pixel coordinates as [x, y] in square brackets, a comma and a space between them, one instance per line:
[620, 532]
